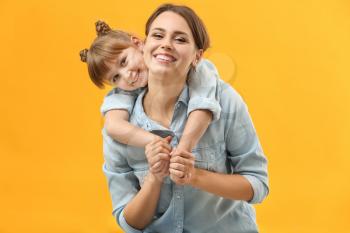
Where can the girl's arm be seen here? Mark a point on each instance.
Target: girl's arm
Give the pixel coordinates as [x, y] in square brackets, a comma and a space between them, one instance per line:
[118, 127]
[196, 125]
[139, 212]
[203, 106]
[116, 108]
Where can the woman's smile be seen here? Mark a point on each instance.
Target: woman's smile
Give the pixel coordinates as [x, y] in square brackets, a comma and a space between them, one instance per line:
[164, 58]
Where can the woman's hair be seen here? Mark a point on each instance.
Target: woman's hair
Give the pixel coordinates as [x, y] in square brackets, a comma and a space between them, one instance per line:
[199, 32]
[106, 47]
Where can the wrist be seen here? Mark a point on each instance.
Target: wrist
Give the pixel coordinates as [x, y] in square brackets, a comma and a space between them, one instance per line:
[195, 177]
[153, 179]
[184, 146]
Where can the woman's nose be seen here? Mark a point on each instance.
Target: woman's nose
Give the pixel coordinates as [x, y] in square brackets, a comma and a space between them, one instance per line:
[166, 44]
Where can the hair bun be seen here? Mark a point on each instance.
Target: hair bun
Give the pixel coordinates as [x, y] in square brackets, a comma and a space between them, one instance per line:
[102, 28]
[83, 55]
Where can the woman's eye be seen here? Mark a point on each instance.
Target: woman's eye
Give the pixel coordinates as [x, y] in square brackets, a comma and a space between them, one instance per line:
[180, 39]
[157, 36]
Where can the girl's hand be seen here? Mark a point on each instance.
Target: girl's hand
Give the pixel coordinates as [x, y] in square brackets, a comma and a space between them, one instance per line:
[158, 157]
[181, 167]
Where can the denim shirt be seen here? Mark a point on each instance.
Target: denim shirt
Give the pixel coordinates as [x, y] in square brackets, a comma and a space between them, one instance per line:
[230, 145]
[203, 91]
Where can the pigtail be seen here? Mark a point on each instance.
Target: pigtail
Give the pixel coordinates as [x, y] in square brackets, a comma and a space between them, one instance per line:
[83, 55]
[102, 28]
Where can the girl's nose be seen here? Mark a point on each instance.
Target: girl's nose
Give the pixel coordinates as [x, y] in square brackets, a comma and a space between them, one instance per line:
[132, 76]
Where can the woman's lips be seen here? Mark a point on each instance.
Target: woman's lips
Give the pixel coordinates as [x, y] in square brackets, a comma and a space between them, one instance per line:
[164, 58]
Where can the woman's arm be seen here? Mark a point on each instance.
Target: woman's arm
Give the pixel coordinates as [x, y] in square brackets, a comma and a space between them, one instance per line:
[244, 156]
[231, 186]
[139, 212]
[118, 127]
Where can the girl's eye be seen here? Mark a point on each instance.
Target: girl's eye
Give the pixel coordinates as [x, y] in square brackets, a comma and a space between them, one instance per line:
[123, 61]
[115, 78]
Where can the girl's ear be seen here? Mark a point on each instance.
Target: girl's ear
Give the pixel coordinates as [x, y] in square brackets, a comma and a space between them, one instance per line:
[137, 41]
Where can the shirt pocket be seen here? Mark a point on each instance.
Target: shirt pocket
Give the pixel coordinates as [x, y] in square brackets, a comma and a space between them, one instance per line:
[210, 157]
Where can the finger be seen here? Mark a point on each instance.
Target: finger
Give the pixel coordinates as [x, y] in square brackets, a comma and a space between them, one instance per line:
[173, 151]
[176, 173]
[178, 159]
[161, 149]
[155, 147]
[163, 143]
[158, 157]
[177, 180]
[165, 169]
[178, 166]
[157, 165]
[158, 168]
[186, 154]
[185, 162]
[153, 152]
[168, 139]
[150, 145]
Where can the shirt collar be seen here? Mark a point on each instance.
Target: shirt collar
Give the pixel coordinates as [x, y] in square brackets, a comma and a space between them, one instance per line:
[143, 120]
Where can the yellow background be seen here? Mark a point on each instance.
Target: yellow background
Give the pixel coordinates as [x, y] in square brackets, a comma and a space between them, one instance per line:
[288, 59]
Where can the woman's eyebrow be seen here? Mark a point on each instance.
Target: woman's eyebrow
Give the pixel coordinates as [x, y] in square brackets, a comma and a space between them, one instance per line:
[175, 32]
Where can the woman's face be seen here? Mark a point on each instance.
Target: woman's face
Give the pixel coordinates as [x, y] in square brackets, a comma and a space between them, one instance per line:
[169, 47]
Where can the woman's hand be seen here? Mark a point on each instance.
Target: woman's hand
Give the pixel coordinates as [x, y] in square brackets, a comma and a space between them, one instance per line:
[158, 157]
[181, 167]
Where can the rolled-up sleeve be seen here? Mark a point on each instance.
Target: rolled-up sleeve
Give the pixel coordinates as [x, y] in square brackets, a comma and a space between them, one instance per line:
[118, 99]
[244, 150]
[124, 225]
[123, 185]
[203, 89]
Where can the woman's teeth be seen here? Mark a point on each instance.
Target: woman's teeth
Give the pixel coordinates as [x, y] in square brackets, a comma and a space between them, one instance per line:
[163, 57]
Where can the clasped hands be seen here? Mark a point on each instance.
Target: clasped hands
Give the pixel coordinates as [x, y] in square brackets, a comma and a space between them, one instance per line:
[163, 160]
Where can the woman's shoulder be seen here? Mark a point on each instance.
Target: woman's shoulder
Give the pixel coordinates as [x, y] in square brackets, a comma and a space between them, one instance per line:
[229, 97]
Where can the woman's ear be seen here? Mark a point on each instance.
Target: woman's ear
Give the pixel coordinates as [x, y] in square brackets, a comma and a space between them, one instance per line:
[137, 41]
[199, 55]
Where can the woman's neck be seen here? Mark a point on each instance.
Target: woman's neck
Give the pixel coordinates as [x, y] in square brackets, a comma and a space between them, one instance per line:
[159, 101]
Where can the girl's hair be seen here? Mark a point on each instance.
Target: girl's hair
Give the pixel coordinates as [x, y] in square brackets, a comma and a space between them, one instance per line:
[106, 47]
[199, 32]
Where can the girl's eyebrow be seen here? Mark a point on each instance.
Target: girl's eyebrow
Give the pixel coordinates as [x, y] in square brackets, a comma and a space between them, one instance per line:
[175, 32]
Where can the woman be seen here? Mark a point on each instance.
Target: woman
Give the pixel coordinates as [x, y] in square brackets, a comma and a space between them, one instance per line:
[208, 190]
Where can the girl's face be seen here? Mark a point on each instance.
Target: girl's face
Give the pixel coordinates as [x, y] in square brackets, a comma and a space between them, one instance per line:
[169, 47]
[128, 70]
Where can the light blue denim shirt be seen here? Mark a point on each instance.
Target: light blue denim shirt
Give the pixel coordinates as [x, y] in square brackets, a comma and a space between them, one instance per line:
[230, 145]
[203, 85]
